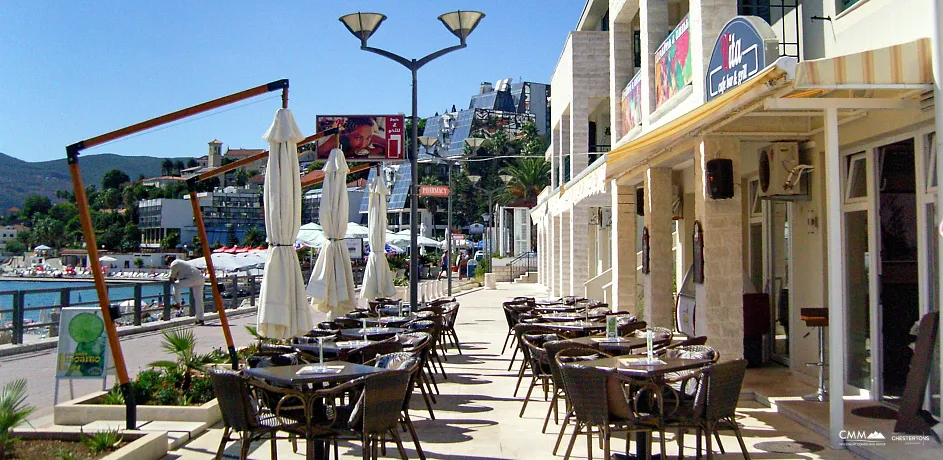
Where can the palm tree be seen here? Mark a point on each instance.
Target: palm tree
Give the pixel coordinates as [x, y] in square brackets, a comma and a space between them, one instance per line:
[255, 236]
[178, 166]
[528, 177]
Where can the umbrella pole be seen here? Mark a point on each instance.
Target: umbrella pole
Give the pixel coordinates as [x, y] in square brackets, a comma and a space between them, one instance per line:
[208, 257]
[88, 231]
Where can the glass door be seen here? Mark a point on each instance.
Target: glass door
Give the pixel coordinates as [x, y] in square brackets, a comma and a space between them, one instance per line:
[777, 277]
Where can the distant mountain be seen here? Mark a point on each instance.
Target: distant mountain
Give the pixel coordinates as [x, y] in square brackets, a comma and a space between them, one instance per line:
[19, 178]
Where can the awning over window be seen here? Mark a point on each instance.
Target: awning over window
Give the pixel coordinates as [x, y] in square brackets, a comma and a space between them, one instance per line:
[883, 68]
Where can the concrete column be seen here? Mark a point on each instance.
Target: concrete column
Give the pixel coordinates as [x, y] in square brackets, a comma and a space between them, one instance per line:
[540, 252]
[624, 284]
[579, 135]
[564, 149]
[708, 17]
[719, 312]
[554, 156]
[654, 30]
[565, 262]
[554, 267]
[621, 65]
[579, 248]
[659, 301]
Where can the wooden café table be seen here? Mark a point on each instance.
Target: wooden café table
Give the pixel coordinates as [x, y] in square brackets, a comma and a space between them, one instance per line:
[637, 368]
[308, 379]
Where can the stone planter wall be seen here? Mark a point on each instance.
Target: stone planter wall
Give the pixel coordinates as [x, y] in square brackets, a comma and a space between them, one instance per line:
[80, 411]
[139, 445]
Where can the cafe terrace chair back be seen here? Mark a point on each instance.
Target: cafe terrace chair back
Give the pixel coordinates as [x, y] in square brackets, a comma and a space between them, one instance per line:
[253, 422]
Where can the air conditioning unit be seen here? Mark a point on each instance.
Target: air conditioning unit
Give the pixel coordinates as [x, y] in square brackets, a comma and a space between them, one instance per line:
[781, 170]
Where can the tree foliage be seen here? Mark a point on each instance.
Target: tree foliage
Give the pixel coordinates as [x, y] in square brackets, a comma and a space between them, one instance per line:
[33, 205]
[114, 179]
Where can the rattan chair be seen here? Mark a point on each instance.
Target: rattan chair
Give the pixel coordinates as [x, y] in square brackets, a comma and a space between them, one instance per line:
[520, 330]
[552, 348]
[568, 355]
[375, 413]
[599, 401]
[419, 343]
[450, 315]
[539, 363]
[369, 352]
[714, 407]
[410, 362]
[512, 313]
[240, 414]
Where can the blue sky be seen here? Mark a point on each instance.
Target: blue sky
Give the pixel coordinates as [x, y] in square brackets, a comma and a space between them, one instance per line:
[74, 70]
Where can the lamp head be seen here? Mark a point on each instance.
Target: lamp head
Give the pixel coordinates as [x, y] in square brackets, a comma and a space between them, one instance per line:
[428, 141]
[461, 23]
[506, 178]
[474, 179]
[362, 25]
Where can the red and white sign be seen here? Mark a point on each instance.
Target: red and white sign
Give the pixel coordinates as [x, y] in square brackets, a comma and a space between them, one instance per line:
[434, 190]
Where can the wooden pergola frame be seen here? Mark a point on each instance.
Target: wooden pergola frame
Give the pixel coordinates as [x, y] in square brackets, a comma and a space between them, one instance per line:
[72, 155]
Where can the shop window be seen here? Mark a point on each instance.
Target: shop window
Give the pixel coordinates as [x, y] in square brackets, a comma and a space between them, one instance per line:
[754, 8]
[845, 4]
[637, 48]
[856, 180]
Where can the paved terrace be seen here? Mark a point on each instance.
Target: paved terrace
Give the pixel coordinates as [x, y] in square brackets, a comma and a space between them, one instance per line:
[477, 416]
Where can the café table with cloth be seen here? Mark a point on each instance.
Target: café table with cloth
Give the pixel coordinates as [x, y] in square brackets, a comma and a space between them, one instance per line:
[307, 380]
[653, 376]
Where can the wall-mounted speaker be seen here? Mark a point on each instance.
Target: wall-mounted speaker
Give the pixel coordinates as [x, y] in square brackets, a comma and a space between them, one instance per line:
[719, 174]
[640, 201]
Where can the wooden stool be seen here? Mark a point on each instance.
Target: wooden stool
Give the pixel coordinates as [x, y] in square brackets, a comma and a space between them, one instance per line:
[817, 318]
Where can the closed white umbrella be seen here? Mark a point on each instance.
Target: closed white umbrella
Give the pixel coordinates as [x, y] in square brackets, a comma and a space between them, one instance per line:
[283, 310]
[332, 282]
[377, 278]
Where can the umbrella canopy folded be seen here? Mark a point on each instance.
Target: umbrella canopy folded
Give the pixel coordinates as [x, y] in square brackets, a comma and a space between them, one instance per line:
[377, 278]
[283, 310]
[332, 281]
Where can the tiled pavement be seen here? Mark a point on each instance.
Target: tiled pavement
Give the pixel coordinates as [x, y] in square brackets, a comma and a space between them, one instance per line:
[477, 416]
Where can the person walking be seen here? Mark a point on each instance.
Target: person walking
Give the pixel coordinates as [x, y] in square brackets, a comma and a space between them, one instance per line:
[185, 276]
[444, 265]
[463, 266]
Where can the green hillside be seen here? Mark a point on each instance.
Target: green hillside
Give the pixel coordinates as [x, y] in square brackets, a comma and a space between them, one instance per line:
[21, 178]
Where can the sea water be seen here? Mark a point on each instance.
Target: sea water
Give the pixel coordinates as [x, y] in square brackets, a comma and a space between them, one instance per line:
[41, 294]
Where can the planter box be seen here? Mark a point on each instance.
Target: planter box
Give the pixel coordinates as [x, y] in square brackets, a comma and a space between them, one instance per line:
[82, 410]
[139, 445]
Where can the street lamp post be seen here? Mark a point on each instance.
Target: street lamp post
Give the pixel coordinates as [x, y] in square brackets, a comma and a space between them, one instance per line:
[491, 230]
[363, 25]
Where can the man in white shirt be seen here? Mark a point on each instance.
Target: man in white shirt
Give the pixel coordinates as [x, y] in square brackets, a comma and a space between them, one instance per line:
[185, 276]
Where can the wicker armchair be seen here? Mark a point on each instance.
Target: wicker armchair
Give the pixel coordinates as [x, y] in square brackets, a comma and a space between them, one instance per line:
[433, 326]
[519, 331]
[450, 315]
[369, 352]
[243, 413]
[411, 363]
[714, 407]
[552, 348]
[599, 400]
[569, 354]
[375, 413]
[539, 363]
[420, 342]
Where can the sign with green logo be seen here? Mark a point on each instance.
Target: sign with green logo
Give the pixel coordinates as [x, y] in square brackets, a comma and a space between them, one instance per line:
[83, 346]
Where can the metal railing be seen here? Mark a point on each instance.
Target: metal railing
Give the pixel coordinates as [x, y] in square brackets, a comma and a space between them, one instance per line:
[526, 262]
[29, 315]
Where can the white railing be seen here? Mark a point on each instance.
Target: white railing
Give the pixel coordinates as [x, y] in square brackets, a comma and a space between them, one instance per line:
[596, 288]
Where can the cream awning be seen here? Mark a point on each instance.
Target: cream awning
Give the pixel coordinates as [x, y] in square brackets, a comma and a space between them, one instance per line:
[882, 68]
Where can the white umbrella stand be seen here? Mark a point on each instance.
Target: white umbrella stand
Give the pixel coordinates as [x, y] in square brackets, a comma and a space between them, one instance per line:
[283, 309]
[377, 278]
[332, 281]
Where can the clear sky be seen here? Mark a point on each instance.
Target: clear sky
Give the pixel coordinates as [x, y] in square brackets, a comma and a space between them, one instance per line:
[71, 70]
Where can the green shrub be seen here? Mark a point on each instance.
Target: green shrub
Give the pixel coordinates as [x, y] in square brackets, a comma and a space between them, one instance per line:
[201, 391]
[401, 281]
[64, 454]
[102, 440]
[114, 397]
[166, 397]
[13, 411]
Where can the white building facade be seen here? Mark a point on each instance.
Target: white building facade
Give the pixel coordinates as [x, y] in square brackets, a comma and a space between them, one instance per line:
[789, 151]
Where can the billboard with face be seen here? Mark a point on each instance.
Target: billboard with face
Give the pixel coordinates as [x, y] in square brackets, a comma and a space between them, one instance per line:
[363, 137]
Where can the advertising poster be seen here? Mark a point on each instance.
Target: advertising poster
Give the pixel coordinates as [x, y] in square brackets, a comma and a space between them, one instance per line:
[632, 104]
[673, 66]
[364, 138]
[354, 247]
[83, 345]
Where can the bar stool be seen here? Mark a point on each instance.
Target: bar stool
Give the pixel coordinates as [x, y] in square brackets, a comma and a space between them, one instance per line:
[817, 318]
